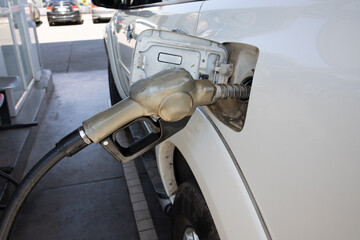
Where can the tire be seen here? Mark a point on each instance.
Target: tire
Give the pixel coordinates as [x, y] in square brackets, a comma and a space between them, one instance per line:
[95, 21]
[114, 94]
[190, 212]
[80, 22]
[51, 24]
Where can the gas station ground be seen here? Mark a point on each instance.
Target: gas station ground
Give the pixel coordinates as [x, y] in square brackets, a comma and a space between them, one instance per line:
[90, 195]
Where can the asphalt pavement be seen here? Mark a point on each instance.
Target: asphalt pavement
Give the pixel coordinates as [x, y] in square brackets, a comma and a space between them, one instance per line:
[85, 196]
[71, 47]
[74, 56]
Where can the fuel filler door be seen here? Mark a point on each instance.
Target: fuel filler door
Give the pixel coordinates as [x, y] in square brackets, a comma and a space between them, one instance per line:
[160, 50]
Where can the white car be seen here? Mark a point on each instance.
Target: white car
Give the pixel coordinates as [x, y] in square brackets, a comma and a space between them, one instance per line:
[285, 164]
[101, 14]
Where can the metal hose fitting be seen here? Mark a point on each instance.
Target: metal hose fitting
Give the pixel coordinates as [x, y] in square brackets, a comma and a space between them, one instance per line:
[239, 91]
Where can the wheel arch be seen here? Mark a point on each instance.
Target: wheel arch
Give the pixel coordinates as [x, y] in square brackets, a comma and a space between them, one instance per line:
[225, 192]
[173, 167]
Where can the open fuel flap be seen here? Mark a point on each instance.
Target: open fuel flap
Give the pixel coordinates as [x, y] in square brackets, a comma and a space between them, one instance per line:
[156, 51]
[233, 63]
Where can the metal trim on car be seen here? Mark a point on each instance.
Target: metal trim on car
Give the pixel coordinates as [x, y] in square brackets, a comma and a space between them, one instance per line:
[160, 4]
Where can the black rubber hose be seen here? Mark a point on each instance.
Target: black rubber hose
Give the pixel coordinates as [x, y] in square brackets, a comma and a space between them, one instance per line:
[9, 178]
[68, 146]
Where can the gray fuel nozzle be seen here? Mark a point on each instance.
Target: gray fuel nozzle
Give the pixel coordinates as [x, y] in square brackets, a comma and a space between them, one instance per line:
[169, 96]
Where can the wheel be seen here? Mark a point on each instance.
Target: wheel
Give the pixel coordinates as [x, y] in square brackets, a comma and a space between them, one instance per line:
[51, 24]
[114, 94]
[95, 20]
[191, 218]
[80, 21]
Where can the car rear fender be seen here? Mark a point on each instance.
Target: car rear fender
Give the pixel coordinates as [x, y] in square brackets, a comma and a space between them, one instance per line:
[220, 178]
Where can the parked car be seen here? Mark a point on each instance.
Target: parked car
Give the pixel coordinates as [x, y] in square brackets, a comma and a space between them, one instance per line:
[34, 11]
[64, 11]
[283, 165]
[101, 13]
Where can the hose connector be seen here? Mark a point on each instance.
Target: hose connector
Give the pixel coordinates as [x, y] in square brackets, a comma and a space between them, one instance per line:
[239, 91]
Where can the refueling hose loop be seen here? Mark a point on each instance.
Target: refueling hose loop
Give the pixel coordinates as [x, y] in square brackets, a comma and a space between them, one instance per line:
[66, 147]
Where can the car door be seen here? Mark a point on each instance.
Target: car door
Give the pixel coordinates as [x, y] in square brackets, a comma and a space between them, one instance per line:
[179, 16]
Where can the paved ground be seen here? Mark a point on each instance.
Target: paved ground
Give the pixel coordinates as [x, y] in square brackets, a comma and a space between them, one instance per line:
[69, 56]
[72, 47]
[86, 196]
[70, 31]
[83, 197]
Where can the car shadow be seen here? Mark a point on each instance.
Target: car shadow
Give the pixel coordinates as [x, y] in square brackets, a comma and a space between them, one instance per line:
[101, 21]
[38, 23]
[66, 23]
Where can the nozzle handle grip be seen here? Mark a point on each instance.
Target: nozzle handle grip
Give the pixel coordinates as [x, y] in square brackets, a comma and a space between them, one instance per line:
[103, 124]
[161, 130]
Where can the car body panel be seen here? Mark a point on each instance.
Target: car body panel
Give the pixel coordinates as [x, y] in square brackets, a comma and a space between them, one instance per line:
[70, 17]
[101, 13]
[34, 12]
[173, 17]
[298, 150]
[214, 169]
[111, 53]
[62, 11]
[300, 145]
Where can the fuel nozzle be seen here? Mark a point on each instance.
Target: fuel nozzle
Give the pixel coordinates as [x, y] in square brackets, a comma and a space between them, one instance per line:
[169, 95]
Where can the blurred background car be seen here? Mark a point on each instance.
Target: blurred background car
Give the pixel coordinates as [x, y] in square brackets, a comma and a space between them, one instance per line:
[34, 11]
[101, 14]
[63, 11]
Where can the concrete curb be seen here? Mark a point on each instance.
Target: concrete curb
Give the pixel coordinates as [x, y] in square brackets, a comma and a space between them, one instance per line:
[144, 223]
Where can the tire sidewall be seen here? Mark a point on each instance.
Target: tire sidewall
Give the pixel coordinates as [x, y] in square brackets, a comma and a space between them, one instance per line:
[190, 210]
